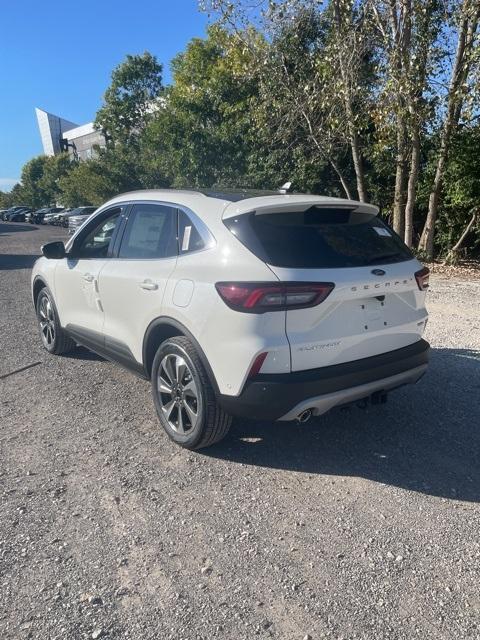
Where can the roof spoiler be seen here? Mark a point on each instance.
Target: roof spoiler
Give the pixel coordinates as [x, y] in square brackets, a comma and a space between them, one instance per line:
[283, 203]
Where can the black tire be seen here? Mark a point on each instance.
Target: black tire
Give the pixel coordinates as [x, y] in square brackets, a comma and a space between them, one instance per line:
[54, 338]
[212, 423]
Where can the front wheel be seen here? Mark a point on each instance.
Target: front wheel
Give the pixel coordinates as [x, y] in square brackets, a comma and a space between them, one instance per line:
[54, 338]
[184, 397]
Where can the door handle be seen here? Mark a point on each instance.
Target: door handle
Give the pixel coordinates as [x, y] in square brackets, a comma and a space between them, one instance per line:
[149, 285]
[88, 277]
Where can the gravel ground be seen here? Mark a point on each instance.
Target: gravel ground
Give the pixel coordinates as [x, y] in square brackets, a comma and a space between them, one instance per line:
[359, 524]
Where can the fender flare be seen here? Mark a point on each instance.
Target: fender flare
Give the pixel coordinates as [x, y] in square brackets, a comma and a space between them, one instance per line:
[34, 284]
[166, 321]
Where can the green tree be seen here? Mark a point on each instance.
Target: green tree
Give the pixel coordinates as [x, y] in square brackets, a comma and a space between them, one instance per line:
[463, 81]
[113, 171]
[131, 98]
[203, 133]
[33, 193]
[54, 168]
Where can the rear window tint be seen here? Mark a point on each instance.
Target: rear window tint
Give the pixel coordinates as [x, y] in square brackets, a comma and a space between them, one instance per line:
[319, 238]
[188, 236]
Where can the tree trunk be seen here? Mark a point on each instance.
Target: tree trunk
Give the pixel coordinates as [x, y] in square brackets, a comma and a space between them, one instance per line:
[349, 112]
[357, 163]
[466, 39]
[412, 185]
[400, 180]
[401, 26]
[452, 256]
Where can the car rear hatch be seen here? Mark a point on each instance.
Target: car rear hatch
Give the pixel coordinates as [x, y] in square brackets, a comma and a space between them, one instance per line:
[375, 303]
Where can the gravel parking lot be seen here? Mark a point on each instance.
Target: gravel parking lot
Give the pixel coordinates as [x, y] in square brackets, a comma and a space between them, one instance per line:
[359, 524]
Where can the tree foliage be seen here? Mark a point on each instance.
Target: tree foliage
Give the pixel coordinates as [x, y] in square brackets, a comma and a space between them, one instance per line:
[131, 98]
[356, 98]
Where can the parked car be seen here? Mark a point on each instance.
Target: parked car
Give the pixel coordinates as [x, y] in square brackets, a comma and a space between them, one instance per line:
[40, 214]
[37, 216]
[19, 216]
[261, 305]
[76, 217]
[63, 217]
[50, 217]
[15, 212]
[8, 212]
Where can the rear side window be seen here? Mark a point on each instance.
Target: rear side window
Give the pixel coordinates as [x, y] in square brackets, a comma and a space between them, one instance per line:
[319, 238]
[189, 239]
[150, 233]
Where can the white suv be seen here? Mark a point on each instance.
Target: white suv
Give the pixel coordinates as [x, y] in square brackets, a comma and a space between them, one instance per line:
[254, 304]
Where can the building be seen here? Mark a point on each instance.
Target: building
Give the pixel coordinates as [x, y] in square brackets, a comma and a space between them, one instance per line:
[59, 135]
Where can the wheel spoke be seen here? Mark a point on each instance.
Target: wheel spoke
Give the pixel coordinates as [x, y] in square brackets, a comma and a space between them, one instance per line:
[190, 389]
[193, 415]
[167, 367]
[43, 308]
[180, 421]
[168, 408]
[180, 367]
[163, 386]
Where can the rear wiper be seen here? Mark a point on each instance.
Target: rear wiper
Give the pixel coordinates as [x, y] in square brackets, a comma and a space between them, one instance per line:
[385, 256]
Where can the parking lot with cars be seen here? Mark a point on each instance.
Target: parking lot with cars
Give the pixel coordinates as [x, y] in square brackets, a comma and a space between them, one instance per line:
[357, 524]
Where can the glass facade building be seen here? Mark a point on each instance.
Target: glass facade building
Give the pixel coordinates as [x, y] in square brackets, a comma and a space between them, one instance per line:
[59, 135]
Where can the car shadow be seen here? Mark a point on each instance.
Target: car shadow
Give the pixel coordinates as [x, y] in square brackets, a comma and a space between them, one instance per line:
[425, 439]
[17, 261]
[82, 353]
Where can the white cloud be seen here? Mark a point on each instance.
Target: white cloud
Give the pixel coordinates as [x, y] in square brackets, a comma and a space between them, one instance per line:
[8, 183]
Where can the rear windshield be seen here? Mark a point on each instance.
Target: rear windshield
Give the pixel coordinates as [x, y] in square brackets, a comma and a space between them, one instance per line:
[319, 238]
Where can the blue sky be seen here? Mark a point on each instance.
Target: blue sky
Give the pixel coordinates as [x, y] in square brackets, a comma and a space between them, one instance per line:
[58, 55]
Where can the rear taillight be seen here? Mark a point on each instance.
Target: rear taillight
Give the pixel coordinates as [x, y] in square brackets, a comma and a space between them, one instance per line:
[422, 278]
[259, 297]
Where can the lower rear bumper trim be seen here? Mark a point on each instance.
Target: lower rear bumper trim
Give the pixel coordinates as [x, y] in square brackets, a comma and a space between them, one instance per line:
[278, 396]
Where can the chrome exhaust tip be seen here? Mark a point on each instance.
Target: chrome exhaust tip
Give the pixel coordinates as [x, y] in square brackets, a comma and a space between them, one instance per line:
[305, 416]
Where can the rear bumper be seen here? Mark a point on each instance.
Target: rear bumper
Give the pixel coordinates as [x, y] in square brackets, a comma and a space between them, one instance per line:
[284, 396]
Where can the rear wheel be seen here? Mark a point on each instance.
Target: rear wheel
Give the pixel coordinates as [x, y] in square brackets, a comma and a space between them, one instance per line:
[184, 397]
[54, 338]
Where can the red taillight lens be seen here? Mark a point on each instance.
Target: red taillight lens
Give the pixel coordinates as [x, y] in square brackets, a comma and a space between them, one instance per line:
[422, 277]
[259, 297]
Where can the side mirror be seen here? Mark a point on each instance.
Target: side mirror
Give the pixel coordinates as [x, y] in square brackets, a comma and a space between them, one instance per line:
[54, 250]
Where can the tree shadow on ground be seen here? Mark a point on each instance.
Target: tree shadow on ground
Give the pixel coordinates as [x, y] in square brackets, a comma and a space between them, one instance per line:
[15, 227]
[425, 439]
[12, 261]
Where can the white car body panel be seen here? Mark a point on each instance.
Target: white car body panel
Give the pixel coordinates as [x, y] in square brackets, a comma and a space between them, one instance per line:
[352, 323]
[76, 293]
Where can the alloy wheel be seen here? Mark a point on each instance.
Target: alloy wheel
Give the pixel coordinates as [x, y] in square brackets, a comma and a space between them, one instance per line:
[179, 398]
[47, 321]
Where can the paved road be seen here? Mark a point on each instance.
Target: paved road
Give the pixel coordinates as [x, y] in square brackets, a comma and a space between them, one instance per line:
[360, 524]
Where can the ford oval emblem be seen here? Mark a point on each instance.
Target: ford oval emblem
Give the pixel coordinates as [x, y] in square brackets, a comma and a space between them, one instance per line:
[378, 272]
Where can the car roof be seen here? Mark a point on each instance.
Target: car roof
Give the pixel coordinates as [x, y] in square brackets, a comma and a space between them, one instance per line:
[231, 202]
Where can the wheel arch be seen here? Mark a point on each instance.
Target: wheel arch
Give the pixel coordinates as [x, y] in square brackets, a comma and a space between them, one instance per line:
[38, 284]
[163, 328]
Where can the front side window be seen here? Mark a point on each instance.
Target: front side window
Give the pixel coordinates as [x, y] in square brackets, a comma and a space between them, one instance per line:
[151, 233]
[97, 241]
